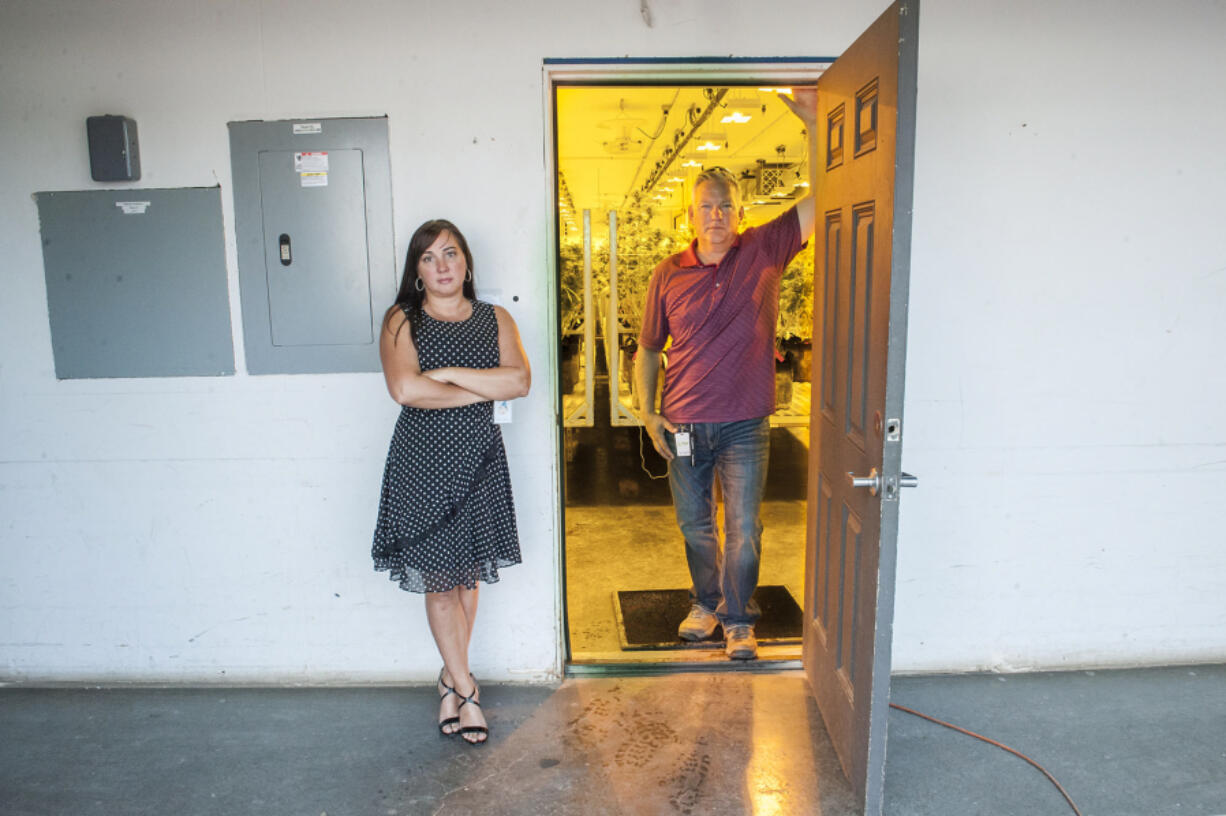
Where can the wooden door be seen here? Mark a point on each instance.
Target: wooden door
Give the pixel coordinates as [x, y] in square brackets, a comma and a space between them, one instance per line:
[864, 160]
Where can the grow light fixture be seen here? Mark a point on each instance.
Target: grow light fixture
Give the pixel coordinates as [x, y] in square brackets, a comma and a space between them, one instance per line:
[736, 117]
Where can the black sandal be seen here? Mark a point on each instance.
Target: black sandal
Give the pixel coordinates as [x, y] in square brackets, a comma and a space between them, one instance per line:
[472, 729]
[442, 724]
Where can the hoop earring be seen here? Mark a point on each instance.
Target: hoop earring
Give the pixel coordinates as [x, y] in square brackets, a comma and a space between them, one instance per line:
[419, 286]
[468, 275]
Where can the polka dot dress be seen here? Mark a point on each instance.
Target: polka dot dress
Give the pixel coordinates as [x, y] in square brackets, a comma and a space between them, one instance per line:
[446, 517]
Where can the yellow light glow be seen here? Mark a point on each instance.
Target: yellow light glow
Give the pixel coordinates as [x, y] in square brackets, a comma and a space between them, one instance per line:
[776, 90]
[691, 163]
[735, 117]
[777, 771]
[712, 146]
[676, 179]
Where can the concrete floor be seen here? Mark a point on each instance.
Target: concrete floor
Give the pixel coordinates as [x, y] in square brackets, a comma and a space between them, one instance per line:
[1146, 742]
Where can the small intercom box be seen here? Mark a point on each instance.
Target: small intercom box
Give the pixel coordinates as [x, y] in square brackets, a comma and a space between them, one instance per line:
[113, 151]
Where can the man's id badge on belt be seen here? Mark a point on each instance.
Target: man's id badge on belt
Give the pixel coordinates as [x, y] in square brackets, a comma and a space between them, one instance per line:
[683, 443]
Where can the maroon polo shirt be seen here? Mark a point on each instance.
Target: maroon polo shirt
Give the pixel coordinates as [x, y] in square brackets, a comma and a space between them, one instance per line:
[722, 321]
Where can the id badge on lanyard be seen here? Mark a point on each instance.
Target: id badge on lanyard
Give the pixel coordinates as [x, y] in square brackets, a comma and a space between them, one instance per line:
[682, 439]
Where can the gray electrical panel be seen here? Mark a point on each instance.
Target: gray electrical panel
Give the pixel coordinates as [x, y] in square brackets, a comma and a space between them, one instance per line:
[136, 282]
[316, 254]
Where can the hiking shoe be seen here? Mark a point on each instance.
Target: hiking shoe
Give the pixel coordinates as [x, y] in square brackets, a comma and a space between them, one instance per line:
[698, 625]
[741, 644]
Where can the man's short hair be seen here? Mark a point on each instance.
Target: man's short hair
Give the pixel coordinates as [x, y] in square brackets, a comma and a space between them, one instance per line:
[722, 177]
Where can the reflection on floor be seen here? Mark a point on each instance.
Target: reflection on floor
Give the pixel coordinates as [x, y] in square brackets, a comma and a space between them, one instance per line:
[687, 744]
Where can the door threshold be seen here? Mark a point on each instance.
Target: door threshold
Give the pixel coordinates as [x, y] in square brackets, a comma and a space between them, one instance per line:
[771, 658]
[641, 669]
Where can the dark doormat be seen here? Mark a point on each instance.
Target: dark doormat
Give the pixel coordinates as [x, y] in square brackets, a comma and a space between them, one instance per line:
[648, 618]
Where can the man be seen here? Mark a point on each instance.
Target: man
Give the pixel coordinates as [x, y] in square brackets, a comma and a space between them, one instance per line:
[719, 302]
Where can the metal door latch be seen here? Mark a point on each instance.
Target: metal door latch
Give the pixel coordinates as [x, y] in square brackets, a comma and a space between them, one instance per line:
[873, 482]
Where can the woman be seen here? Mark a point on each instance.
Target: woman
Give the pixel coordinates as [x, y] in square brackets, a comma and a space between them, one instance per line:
[446, 519]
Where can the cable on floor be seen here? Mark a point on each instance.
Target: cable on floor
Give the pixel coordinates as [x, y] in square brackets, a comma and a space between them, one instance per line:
[999, 745]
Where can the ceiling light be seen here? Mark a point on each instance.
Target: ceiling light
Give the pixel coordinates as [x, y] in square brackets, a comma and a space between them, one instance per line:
[710, 146]
[691, 163]
[735, 117]
[776, 90]
[676, 179]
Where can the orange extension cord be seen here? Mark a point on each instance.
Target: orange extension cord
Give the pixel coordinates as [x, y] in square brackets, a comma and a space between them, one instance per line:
[999, 745]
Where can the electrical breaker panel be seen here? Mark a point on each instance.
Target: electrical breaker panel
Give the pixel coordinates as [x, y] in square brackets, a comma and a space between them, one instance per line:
[316, 255]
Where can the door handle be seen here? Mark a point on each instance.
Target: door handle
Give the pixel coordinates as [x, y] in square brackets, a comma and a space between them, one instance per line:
[873, 482]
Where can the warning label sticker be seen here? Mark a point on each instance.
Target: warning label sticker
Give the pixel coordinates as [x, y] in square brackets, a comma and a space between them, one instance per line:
[311, 162]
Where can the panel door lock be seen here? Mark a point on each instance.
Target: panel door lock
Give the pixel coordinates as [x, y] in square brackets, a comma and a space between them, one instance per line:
[889, 486]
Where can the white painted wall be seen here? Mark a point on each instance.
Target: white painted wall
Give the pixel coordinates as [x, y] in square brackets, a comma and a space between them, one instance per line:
[1067, 272]
[1064, 379]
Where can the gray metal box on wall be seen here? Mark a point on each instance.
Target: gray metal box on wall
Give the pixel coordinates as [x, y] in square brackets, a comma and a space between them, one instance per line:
[316, 254]
[136, 282]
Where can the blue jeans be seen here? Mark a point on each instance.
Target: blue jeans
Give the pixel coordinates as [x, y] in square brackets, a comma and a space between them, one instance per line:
[724, 582]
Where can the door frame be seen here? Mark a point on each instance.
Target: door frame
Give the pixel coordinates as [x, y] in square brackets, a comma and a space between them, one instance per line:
[555, 72]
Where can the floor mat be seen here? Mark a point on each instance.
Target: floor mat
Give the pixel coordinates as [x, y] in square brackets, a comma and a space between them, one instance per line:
[648, 618]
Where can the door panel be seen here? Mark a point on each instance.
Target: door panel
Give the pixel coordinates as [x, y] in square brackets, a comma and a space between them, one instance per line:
[859, 334]
[323, 297]
[864, 196]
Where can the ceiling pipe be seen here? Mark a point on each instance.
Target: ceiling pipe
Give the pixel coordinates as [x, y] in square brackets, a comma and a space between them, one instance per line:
[671, 153]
